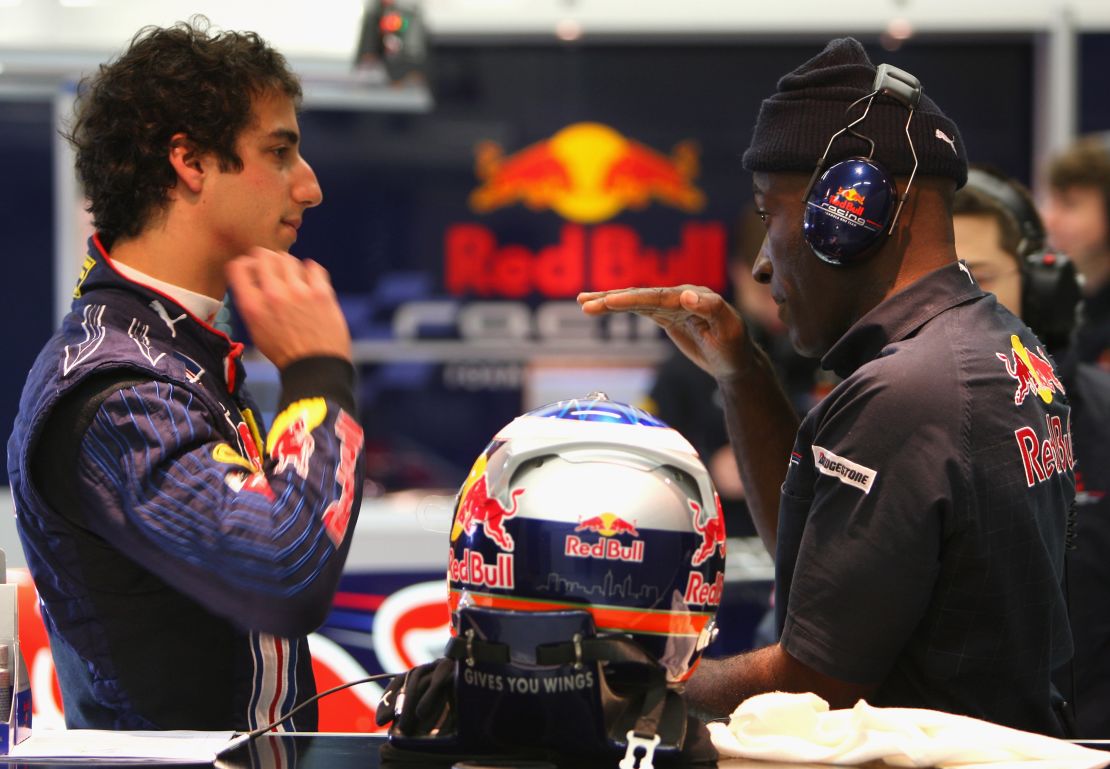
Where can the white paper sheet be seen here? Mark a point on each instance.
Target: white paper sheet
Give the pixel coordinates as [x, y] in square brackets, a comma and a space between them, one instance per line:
[92, 746]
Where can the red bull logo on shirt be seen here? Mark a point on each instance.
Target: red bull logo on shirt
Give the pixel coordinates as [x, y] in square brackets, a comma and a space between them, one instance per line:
[711, 527]
[1033, 372]
[475, 506]
[1043, 459]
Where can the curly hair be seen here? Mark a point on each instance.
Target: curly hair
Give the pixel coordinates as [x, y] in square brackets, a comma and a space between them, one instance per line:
[179, 79]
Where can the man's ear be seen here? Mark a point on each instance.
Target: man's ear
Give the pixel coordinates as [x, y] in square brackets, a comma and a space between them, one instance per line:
[187, 162]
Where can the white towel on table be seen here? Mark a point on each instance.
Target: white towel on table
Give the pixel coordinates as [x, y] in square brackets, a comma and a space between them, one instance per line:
[800, 728]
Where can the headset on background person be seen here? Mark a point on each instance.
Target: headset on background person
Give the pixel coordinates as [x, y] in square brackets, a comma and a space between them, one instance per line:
[853, 205]
[1049, 286]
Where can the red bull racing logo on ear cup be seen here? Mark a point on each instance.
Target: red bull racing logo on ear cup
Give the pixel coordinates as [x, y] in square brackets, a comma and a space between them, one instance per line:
[848, 210]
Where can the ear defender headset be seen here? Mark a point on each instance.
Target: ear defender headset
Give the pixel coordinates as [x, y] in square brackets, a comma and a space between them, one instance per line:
[1049, 287]
[852, 206]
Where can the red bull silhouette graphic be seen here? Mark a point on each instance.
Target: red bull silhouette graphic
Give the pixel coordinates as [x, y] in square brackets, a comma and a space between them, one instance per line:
[711, 527]
[476, 506]
[607, 525]
[1033, 372]
[587, 172]
[294, 446]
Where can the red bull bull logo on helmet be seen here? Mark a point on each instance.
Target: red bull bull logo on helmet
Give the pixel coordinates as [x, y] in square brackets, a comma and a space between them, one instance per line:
[475, 506]
[1033, 372]
[711, 526]
[607, 525]
[587, 172]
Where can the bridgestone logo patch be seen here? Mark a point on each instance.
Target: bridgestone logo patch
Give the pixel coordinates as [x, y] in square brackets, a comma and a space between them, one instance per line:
[847, 471]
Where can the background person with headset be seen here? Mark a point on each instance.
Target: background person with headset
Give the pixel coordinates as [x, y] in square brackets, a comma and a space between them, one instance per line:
[1077, 220]
[918, 527]
[1000, 237]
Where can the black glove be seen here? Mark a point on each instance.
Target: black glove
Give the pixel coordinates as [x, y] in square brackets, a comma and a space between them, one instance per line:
[420, 700]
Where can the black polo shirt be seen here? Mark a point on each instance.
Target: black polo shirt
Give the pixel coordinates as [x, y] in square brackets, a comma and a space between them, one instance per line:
[1086, 682]
[1091, 341]
[923, 515]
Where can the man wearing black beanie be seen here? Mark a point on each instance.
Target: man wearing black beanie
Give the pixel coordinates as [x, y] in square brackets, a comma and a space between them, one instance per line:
[917, 515]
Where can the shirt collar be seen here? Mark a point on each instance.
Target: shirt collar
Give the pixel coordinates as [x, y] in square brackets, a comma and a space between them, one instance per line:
[900, 315]
[203, 307]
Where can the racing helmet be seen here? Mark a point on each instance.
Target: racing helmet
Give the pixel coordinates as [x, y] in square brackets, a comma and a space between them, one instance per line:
[597, 506]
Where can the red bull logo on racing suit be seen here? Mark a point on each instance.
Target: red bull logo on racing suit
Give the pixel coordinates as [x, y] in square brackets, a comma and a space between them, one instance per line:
[337, 515]
[290, 442]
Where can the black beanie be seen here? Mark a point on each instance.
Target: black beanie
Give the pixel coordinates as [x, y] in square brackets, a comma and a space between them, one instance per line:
[795, 124]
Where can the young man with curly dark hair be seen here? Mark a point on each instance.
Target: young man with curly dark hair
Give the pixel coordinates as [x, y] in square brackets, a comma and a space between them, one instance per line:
[182, 554]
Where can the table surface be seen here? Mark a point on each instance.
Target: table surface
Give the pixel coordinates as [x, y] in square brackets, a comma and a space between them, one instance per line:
[346, 751]
[363, 751]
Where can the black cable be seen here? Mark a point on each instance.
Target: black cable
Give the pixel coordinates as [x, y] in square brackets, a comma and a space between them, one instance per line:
[263, 729]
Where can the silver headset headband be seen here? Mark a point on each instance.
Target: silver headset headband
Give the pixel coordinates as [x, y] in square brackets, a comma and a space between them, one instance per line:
[903, 88]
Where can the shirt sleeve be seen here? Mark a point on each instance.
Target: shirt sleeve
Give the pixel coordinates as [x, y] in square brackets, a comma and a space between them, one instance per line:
[883, 468]
[257, 534]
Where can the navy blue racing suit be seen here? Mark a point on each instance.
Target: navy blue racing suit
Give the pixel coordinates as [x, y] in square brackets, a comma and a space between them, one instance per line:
[181, 554]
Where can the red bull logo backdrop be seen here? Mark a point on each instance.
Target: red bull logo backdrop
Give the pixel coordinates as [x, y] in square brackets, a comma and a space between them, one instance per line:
[587, 174]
